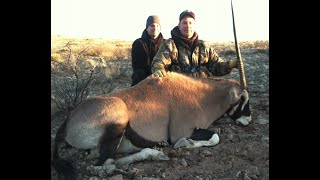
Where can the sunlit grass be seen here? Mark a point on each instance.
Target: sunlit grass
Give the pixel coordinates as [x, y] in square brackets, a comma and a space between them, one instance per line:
[121, 50]
[106, 49]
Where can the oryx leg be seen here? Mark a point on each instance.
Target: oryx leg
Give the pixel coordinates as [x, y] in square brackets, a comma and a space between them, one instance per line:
[241, 112]
[245, 119]
[109, 142]
[144, 154]
[199, 138]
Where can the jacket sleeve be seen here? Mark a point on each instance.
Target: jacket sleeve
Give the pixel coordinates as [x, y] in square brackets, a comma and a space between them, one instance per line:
[216, 65]
[163, 59]
[139, 56]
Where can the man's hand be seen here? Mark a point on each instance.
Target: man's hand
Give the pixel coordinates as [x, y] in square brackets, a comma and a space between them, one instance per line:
[233, 64]
[159, 73]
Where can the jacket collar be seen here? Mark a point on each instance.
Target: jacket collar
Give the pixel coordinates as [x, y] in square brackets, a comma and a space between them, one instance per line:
[182, 41]
[147, 37]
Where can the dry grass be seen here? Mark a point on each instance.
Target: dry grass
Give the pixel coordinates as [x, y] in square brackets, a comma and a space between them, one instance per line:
[106, 49]
[121, 50]
[226, 48]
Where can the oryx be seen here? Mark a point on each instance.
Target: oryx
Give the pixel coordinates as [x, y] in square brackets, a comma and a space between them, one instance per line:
[168, 109]
[176, 108]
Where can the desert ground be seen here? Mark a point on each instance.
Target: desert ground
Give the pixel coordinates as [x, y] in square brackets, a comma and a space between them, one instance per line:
[243, 151]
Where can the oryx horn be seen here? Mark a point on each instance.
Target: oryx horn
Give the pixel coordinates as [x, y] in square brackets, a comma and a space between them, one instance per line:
[239, 59]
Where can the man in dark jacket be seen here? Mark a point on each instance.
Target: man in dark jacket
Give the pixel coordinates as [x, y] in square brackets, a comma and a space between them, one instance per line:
[145, 48]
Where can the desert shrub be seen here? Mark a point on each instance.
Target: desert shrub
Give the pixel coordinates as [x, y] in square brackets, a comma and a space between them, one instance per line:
[262, 47]
[228, 48]
[108, 52]
[223, 48]
[261, 44]
[258, 46]
[74, 72]
[122, 53]
[228, 52]
[70, 79]
[113, 73]
[95, 51]
[116, 53]
[56, 57]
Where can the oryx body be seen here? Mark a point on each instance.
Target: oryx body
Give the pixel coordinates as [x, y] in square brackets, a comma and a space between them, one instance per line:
[157, 110]
[153, 111]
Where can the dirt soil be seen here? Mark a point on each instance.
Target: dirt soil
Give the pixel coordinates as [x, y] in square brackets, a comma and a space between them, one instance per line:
[243, 152]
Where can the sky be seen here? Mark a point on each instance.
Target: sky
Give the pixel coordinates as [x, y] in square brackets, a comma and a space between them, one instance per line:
[126, 19]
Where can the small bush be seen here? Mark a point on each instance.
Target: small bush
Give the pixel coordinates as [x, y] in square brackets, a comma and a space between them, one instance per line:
[75, 71]
[70, 80]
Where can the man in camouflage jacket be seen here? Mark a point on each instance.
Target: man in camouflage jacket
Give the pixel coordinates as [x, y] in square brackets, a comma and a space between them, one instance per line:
[184, 53]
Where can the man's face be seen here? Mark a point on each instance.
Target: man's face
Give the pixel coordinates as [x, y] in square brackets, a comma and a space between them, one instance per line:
[154, 30]
[186, 26]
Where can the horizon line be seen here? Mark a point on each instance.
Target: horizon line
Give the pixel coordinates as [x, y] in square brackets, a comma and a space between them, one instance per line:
[120, 39]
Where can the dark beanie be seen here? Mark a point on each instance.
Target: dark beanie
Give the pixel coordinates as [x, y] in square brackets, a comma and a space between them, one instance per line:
[152, 19]
[187, 13]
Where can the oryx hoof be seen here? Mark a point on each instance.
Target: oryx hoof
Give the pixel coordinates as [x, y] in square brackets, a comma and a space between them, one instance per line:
[182, 142]
[244, 120]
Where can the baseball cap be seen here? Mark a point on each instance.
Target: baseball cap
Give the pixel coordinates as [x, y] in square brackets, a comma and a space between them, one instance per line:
[186, 13]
